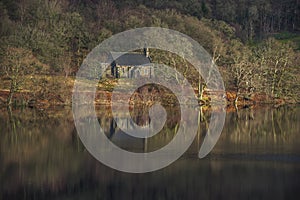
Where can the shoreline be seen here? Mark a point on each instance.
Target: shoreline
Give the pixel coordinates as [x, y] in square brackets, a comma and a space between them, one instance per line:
[103, 98]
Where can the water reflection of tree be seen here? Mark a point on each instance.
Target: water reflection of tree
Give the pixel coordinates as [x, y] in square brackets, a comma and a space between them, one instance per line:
[38, 152]
[263, 126]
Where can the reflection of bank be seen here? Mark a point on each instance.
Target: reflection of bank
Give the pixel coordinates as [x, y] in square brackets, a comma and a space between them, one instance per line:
[125, 141]
[131, 65]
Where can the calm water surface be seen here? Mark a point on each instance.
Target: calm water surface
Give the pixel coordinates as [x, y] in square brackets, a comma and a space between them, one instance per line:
[256, 157]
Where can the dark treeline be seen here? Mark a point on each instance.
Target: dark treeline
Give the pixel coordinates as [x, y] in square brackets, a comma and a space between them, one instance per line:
[255, 43]
[254, 19]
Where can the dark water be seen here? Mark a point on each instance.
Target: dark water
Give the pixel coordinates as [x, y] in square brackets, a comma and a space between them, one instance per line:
[256, 157]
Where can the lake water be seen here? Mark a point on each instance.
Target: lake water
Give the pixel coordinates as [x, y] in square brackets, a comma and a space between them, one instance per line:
[256, 157]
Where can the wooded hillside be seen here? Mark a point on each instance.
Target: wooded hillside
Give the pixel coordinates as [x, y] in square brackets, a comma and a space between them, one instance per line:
[255, 43]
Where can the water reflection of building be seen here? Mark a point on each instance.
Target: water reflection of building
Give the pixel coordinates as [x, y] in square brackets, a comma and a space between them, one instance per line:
[122, 139]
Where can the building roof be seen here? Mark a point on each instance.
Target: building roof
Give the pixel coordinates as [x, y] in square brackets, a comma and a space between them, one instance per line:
[130, 59]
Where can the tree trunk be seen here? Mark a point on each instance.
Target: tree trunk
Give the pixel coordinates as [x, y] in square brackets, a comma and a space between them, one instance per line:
[237, 97]
[10, 96]
[200, 88]
[236, 100]
[12, 90]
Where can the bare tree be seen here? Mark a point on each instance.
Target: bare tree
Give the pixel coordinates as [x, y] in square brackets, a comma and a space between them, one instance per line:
[241, 68]
[276, 60]
[66, 62]
[18, 65]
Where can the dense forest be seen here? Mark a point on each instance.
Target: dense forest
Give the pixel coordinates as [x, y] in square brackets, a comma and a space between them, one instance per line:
[251, 19]
[255, 43]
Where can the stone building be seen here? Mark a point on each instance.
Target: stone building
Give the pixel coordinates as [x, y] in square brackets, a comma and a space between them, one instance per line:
[131, 65]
